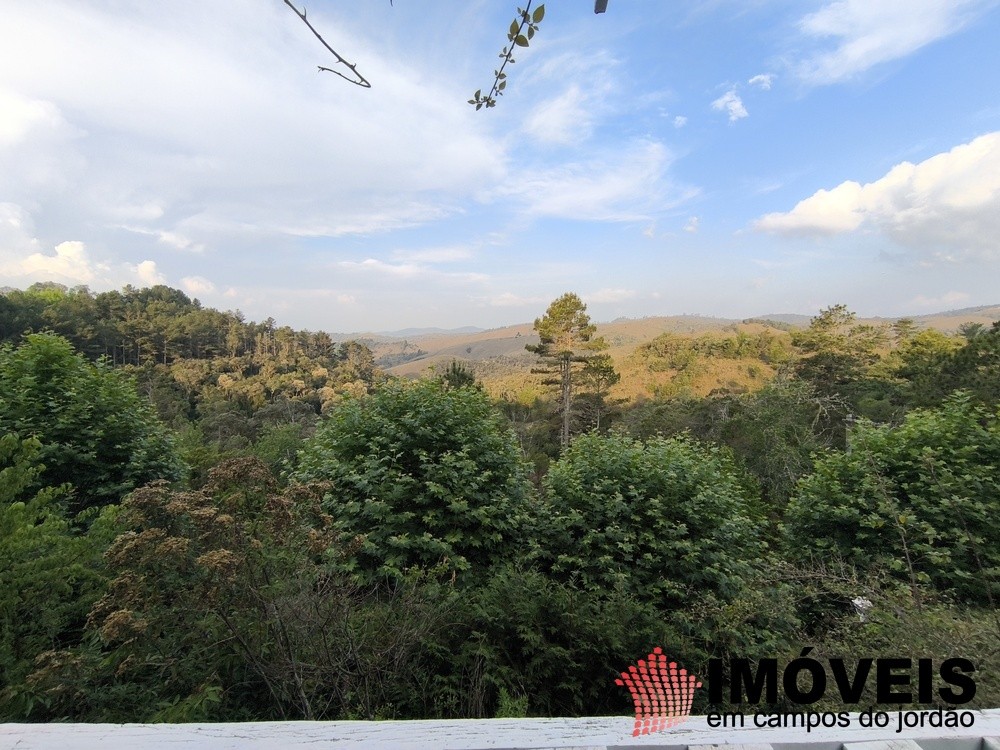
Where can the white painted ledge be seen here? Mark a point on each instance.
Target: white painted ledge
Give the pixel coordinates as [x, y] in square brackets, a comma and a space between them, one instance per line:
[521, 734]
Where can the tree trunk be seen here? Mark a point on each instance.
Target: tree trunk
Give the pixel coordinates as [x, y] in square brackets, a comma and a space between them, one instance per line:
[567, 395]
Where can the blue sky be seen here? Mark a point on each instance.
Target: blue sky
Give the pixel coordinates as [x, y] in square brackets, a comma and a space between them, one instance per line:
[724, 157]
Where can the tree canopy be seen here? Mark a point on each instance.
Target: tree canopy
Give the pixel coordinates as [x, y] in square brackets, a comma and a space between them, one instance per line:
[96, 434]
[666, 520]
[424, 476]
[919, 500]
[565, 335]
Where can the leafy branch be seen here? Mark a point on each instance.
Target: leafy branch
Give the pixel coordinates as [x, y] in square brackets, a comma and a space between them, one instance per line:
[521, 31]
[358, 79]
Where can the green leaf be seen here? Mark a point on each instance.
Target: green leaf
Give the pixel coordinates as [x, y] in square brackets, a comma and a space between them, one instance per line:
[514, 27]
[521, 41]
[539, 14]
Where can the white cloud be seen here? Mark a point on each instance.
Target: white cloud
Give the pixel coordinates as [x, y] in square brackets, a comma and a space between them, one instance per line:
[869, 32]
[70, 263]
[944, 208]
[16, 232]
[408, 270]
[680, 121]
[732, 105]
[148, 274]
[565, 119]
[193, 132]
[20, 115]
[763, 80]
[346, 299]
[627, 184]
[692, 224]
[173, 239]
[610, 295]
[434, 255]
[197, 285]
[380, 266]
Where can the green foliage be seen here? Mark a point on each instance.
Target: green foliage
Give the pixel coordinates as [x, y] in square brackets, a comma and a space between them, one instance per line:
[425, 476]
[852, 362]
[837, 349]
[522, 30]
[667, 521]
[95, 432]
[597, 378]
[459, 376]
[668, 351]
[930, 627]
[919, 499]
[552, 647]
[565, 328]
[225, 604]
[920, 361]
[49, 575]
[970, 362]
[772, 432]
[421, 578]
[566, 336]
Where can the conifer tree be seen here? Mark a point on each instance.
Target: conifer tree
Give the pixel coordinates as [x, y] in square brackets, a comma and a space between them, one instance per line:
[566, 339]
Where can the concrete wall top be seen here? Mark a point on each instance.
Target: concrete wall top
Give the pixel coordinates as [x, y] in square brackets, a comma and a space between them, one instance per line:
[607, 733]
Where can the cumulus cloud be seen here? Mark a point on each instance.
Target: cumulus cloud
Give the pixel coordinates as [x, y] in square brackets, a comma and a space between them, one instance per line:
[868, 32]
[732, 105]
[148, 274]
[680, 121]
[22, 260]
[197, 285]
[692, 224]
[69, 263]
[944, 208]
[762, 80]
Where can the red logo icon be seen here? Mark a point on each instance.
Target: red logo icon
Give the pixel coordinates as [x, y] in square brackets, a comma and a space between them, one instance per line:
[662, 692]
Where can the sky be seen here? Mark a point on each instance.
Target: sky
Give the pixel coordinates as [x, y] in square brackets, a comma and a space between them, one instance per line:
[723, 157]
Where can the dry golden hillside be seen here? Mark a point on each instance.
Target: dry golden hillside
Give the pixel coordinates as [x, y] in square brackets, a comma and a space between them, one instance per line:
[499, 359]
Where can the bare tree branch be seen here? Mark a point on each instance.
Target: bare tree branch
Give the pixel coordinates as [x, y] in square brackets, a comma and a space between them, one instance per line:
[358, 80]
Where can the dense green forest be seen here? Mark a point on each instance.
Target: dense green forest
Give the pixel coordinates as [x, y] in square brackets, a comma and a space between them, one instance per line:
[209, 519]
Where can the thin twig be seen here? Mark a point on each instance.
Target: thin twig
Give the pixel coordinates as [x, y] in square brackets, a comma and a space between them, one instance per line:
[360, 79]
[499, 76]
